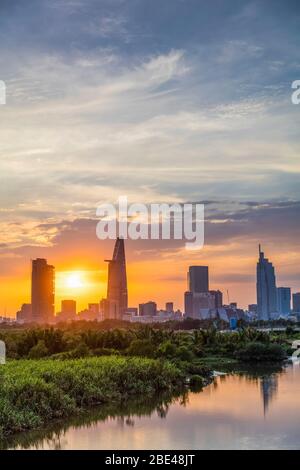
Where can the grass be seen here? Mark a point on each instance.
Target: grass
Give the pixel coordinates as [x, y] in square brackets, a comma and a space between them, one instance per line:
[34, 392]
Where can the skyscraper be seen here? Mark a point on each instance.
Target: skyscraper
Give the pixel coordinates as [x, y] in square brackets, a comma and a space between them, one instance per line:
[296, 302]
[198, 293]
[148, 309]
[198, 279]
[188, 303]
[169, 307]
[68, 310]
[284, 300]
[42, 291]
[218, 298]
[266, 288]
[117, 282]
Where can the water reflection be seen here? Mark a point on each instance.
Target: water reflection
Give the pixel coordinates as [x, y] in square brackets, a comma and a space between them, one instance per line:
[246, 409]
[124, 415]
[269, 387]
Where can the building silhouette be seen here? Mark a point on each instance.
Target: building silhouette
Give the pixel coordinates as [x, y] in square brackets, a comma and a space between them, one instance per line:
[117, 297]
[269, 389]
[188, 303]
[284, 301]
[198, 279]
[148, 309]
[296, 302]
[68, 310]
[42, 291]
[24, 315]
[198, 296]
[169, 307]
[218, 298]
[266, 288]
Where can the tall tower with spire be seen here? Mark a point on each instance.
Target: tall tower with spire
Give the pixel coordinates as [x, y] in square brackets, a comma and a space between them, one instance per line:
[266, 288]
[117, 297]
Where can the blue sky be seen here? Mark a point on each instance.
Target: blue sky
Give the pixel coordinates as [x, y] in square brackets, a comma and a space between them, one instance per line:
[173, 100]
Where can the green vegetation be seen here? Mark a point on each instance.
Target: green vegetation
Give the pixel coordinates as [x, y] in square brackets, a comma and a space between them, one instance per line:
[180, 347]
[53, 373]
[34, 392]
[260, 352]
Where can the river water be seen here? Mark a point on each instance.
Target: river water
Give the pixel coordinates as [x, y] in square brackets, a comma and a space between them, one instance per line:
[249, 409]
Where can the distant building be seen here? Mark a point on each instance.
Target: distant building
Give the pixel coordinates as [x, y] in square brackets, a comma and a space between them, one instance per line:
[188, 303]
[169, 307]
[198, 279]
[42, 291]
[161, 317]
[252, 308]
[117, 297]
[109, 309]
[196, 301]
[68, 310]
[284, 301]
[24, 315]
[94, 308]
[296, 302]
[202, 300]
[90, 314]
[266, 288]
[148, 309]
[218, 298]
[132, 311]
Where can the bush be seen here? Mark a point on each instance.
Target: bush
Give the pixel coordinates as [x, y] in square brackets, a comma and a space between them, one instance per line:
[35, 391]
[256, 352]
[184, 354]
[39, 350]
[167, 349]
[196, 381]
[141, 347]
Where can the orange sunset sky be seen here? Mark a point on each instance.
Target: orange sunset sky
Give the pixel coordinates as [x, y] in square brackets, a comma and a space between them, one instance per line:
[103, 100]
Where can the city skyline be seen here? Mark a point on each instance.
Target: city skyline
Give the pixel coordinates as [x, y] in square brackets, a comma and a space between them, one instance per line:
[272, 301]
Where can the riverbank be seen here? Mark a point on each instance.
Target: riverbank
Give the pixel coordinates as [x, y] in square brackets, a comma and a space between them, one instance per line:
[36, 392]
[186, 420]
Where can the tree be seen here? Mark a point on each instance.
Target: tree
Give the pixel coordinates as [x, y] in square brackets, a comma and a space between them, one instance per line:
[39, 350]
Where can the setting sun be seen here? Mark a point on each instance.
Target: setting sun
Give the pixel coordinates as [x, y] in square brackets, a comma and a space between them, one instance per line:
[74, 281]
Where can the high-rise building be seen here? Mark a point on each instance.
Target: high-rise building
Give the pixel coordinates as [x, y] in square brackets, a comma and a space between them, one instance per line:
[284, 300]
[218, 298]
[169, 307]
[266, 288]
[198, 279]
[188, 303]
[68, 310]
[296, 302]
[42, 291]
[148, 309]
[202, 300]
[117, 282]
[24, 315]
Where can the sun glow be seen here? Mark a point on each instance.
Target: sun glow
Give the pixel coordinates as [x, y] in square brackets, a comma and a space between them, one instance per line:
[74, 281]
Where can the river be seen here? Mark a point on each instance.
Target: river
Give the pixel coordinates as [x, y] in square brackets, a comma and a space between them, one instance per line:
[247, 409]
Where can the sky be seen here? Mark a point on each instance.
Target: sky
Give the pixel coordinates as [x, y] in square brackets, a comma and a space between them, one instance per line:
[162, 101]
